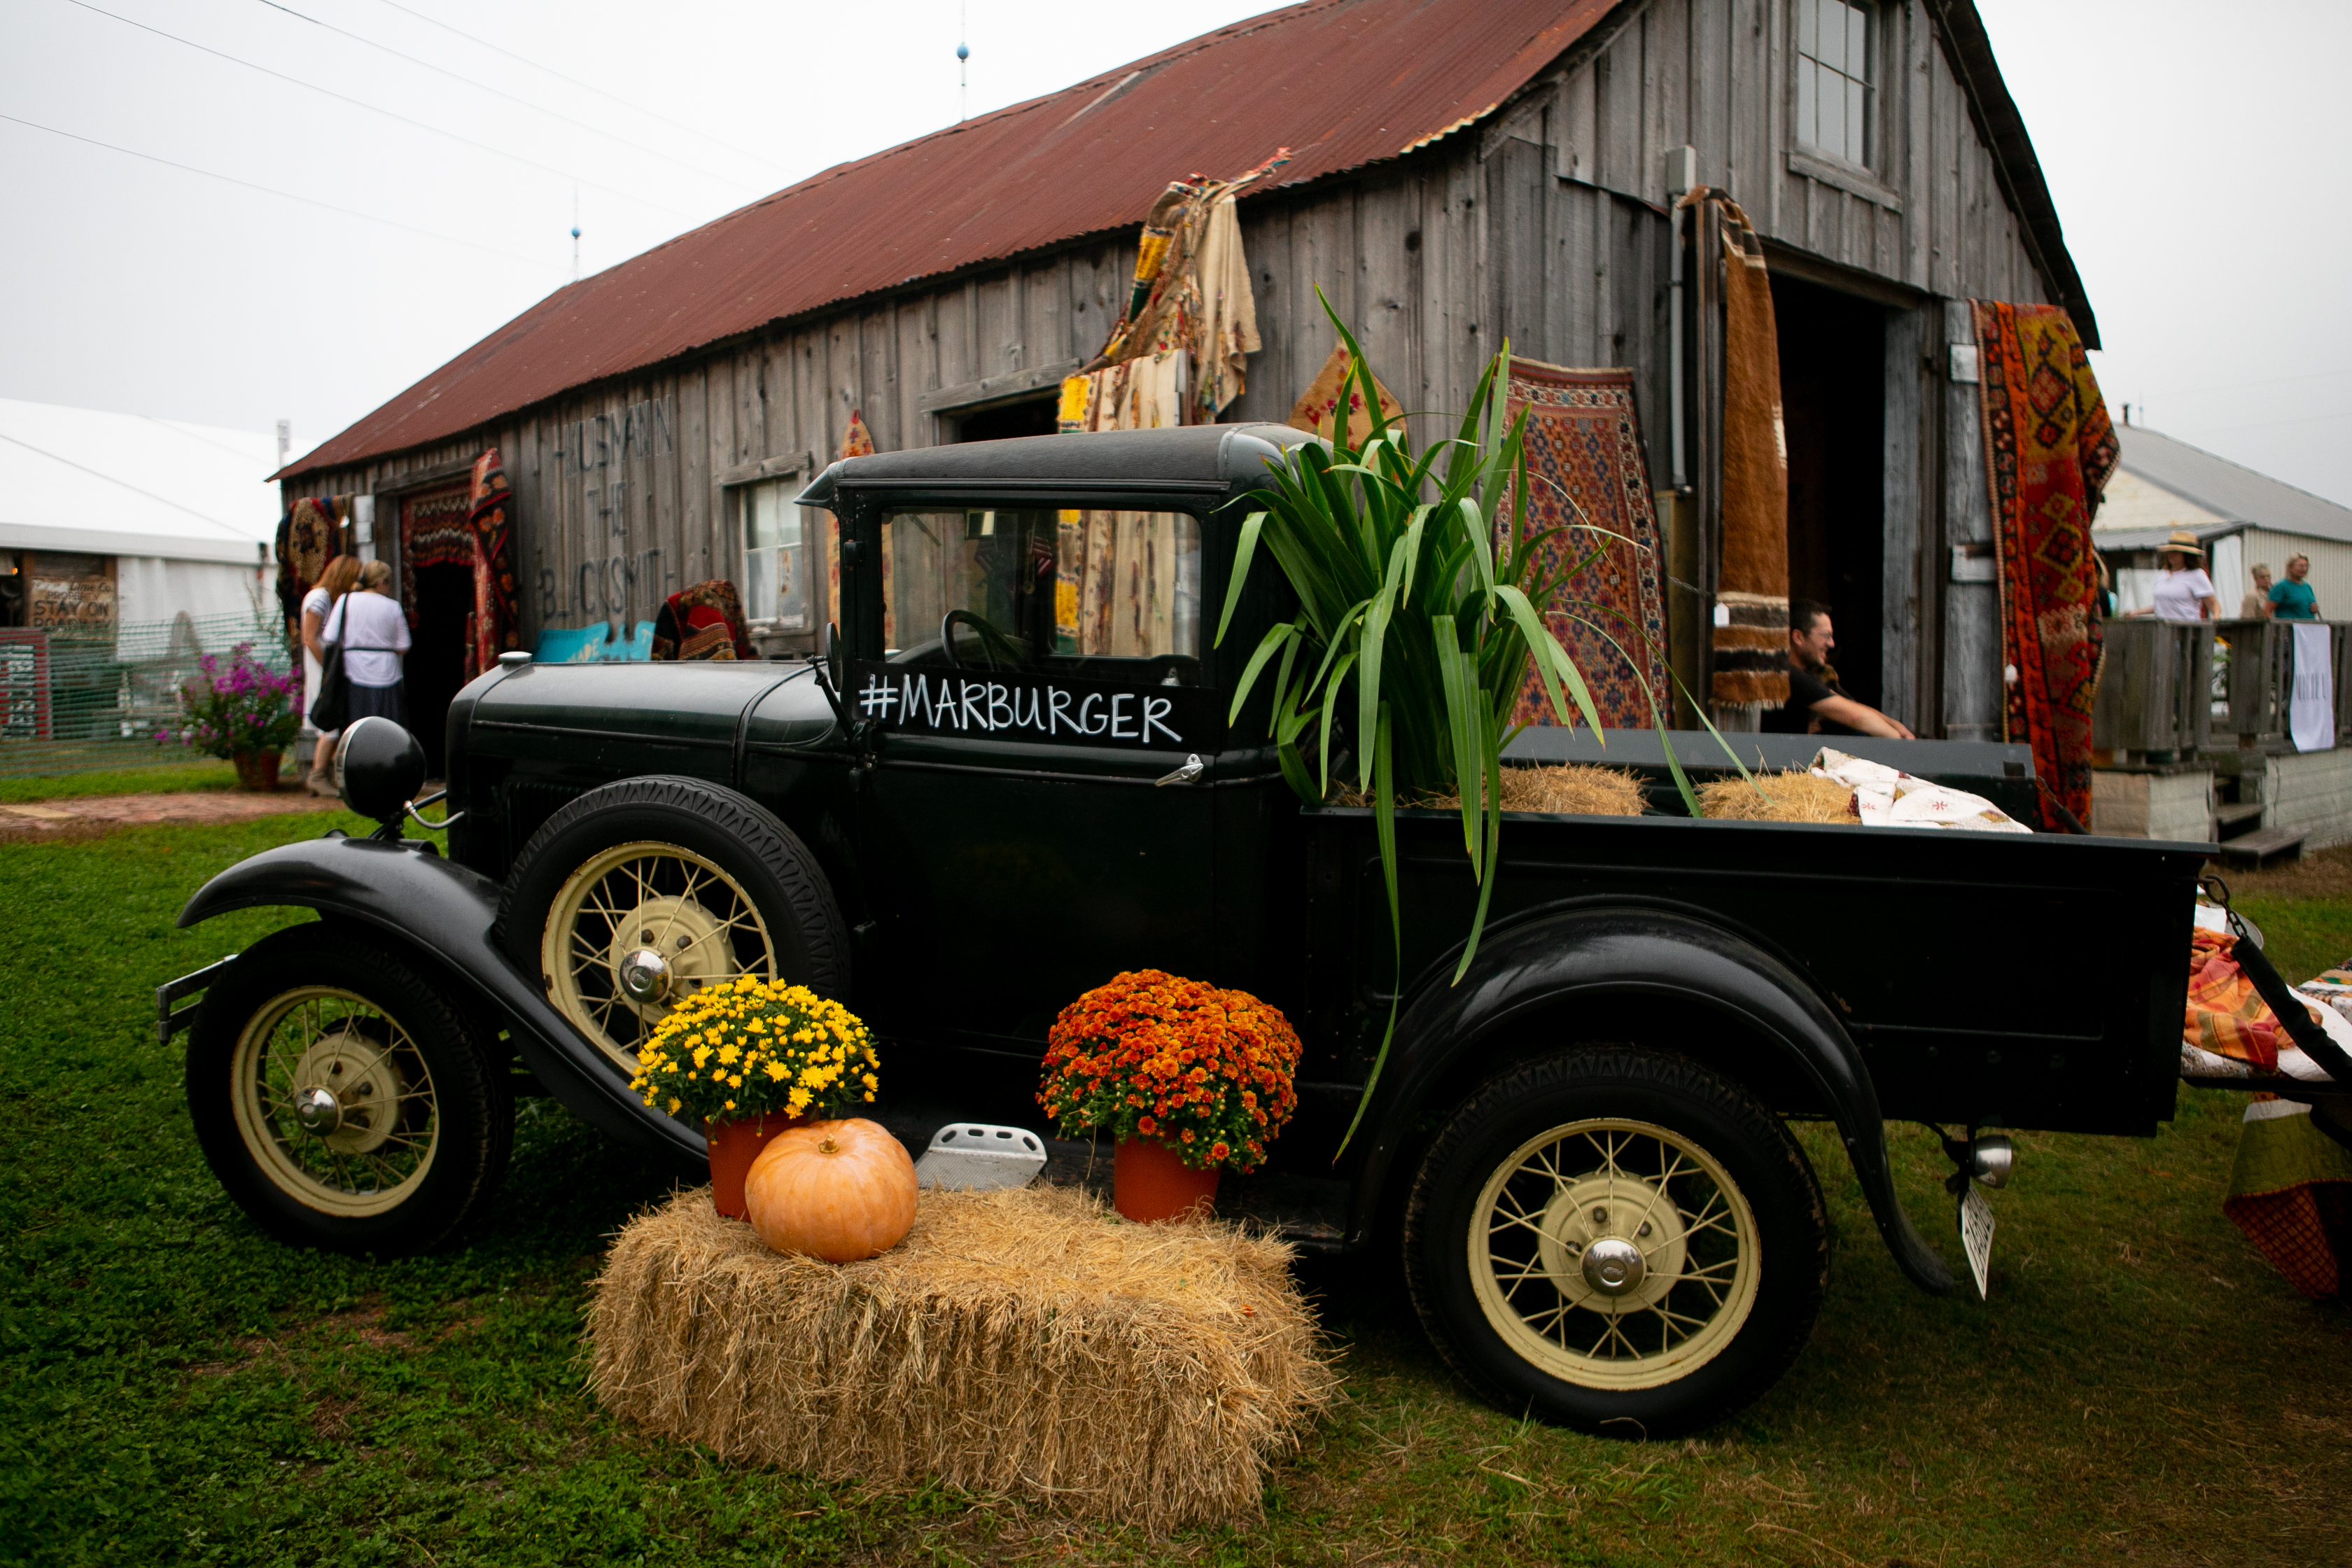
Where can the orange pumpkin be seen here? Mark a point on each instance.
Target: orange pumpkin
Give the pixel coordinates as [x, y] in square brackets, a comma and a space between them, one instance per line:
[836, 1190]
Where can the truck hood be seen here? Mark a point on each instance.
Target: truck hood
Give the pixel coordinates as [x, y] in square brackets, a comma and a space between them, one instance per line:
[698, 703]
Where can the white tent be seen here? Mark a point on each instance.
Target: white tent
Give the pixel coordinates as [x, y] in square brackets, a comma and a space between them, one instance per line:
[186, 510]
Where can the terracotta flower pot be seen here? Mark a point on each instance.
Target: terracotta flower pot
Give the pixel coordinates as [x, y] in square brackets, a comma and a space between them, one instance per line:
[734, 1144]
[1150, 1183]
[257, 770]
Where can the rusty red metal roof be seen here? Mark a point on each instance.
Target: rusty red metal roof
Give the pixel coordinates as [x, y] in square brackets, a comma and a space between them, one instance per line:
[1341, 84]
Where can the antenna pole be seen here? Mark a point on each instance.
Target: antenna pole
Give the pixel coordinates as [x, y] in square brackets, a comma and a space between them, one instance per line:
[963, 53]
[575, 234]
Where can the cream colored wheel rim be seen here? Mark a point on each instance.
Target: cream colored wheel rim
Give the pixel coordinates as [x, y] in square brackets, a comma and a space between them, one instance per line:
[641, 898]
[386, 1125]
[1615, 1253]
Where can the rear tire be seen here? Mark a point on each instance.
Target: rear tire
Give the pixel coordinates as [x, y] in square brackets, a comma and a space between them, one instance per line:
[1618, 1240]
[418, 1119]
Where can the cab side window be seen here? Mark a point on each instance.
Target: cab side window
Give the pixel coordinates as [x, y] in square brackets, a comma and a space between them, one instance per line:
[1105, 595]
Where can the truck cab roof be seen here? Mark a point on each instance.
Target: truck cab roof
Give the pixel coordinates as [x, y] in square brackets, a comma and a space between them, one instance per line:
[1208, 458]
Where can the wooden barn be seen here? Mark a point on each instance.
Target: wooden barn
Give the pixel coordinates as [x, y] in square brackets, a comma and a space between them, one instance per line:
[1460, 173]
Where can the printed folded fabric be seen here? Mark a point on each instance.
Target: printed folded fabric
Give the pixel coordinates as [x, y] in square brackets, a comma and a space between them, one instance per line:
[2227, 1030]
[1889, 797]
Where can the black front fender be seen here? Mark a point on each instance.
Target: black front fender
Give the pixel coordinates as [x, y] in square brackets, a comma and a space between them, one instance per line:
[1586, 955]
[444, 912]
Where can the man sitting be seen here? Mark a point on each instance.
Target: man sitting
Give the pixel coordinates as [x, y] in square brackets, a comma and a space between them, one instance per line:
[1816, 706]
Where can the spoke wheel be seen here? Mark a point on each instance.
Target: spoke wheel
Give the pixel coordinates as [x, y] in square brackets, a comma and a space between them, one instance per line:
[638, 928]
[1616, 1239]
[334, 1100]
[342, 1098]
[1615, 1254]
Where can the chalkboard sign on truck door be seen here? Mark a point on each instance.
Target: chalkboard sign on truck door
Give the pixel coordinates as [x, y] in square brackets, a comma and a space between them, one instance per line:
[1035, 708]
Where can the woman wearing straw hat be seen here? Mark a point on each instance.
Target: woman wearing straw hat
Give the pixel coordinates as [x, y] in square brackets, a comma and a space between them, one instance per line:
[2183, 592]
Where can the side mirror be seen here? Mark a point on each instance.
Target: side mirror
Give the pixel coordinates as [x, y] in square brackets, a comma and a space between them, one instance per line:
[835, 657]
[379, 768]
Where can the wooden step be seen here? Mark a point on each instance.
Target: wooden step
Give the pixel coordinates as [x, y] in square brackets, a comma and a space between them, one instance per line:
[2235, 821]
[2264, 844]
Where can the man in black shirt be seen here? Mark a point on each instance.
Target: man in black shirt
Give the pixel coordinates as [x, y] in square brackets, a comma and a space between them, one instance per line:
[1816, 705]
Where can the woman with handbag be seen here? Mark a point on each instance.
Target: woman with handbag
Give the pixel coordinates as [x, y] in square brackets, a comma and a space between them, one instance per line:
[365, 635]
[316, 604]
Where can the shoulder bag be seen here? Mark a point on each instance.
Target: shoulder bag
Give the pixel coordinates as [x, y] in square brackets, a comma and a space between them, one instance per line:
[331, 709]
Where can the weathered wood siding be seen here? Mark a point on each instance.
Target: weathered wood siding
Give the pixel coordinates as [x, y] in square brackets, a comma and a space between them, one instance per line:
[1717, 75]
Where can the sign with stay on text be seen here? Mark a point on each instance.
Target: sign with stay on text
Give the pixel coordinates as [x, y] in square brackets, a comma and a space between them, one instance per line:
[1010, 705]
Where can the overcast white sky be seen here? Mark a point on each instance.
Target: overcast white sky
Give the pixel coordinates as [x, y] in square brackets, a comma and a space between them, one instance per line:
[2188, 149]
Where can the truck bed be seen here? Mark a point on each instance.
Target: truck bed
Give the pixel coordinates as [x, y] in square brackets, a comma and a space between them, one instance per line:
[2000, 980]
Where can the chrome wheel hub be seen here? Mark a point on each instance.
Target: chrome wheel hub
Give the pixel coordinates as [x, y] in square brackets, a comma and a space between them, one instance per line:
[317, 1109]
[644, 975]
[1612, 1266]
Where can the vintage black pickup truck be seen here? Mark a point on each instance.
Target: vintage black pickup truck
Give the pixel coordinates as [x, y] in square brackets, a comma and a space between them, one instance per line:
[1011, 775]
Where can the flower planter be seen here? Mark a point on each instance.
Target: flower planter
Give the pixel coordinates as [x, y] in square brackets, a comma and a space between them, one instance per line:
[734, 1144]
[257, 770]
[1150, 1182]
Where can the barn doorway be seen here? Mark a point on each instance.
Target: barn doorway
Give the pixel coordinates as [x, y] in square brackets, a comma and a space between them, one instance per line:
[436, 589]
[1833, 409]
[436, 660]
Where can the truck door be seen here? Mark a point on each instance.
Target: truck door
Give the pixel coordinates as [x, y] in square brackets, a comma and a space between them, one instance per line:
[1031, 827]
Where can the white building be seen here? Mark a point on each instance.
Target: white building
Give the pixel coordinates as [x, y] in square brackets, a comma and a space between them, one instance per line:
[115, 525]
[2243, 517]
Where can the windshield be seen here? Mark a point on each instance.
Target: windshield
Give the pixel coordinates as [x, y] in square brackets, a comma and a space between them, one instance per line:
[1103, 596]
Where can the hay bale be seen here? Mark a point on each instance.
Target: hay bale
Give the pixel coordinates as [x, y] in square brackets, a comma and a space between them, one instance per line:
[1792, 796]
[1017, 1342]
[1576, 787]
[1579, 788]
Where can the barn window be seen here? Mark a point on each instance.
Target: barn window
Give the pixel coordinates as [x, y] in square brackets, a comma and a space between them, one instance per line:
[1835, 68]
[777, 591]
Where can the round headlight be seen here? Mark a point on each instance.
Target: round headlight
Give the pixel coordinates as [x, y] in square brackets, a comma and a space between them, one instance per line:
[379, 768]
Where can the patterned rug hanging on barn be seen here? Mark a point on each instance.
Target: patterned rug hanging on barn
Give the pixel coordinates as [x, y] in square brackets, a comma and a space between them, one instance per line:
[2049, 450]
[1589, 478]
[496, 625]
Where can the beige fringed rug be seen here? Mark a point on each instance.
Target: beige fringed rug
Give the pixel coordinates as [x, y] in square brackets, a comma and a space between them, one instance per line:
[1026, 1344]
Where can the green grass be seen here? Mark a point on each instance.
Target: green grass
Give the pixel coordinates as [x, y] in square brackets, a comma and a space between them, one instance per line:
[175, 1387]
[200, 772]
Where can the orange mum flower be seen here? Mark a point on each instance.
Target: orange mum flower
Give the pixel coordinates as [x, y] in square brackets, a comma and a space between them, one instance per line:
[1149, 1054]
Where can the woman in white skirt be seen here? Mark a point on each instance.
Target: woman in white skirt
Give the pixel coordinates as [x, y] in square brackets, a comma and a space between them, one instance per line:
[373, 633]
[316, 604]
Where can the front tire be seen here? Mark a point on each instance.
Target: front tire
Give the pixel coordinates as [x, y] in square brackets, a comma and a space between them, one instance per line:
[343, 1100]
[1618, 1240]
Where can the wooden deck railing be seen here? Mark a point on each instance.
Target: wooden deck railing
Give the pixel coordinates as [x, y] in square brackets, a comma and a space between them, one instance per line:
[2170, 690]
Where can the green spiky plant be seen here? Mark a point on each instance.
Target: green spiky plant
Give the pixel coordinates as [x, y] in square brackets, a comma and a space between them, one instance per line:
[1413, 629]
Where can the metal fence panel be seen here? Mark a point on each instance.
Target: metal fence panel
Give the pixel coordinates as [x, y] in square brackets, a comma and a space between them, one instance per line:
[73, 703]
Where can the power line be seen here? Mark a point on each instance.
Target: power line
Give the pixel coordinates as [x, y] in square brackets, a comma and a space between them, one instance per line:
[287, 195]
[373, 109]
[511, 98]
[587, 87]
